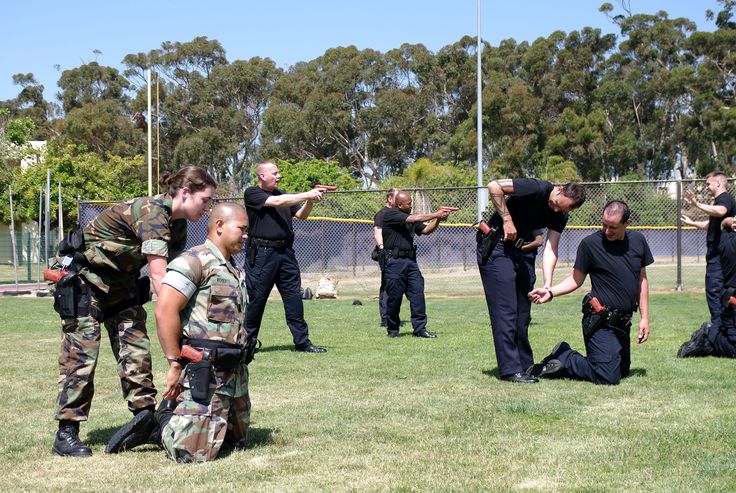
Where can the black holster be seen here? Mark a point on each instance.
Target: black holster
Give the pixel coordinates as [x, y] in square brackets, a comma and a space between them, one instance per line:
[73, 298]
[251, 252]
[487, 242]
[591, 320]
[200, 374]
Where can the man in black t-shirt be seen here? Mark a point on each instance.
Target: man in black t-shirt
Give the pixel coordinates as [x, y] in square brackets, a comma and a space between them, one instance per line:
[401, 272]
[532, 204]
[270, 255]
[711, 340]
[723, 206]
[378, 236]
[616, 260]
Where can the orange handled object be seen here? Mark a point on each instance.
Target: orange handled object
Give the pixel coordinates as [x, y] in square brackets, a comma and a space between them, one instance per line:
[483, 227]
[193, 355]
[597, 307]
[449, 209]
[329, 188]
[54, 275]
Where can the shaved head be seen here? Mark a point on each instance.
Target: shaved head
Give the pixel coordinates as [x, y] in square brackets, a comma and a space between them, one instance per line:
[262, 167]
[224, 211]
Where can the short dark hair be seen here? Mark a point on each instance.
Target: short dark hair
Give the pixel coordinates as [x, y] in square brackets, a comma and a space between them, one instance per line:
[576, 192]
[391, 193]
[614, 207]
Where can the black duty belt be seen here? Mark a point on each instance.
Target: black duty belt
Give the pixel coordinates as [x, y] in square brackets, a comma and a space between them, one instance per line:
[278, 244]
[619, 318]
[396, 253]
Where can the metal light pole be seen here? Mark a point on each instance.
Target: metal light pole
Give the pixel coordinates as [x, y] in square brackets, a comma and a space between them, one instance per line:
[148, 138]
[482, 192]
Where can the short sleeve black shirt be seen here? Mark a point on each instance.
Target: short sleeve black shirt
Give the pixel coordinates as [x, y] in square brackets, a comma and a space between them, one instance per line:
[378, 218]
[397, 233]
[614, 267]
[714, 223]
[529, 208]
[268, 223]
[727, 251]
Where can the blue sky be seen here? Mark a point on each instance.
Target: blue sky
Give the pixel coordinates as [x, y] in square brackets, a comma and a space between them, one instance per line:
[42, 34]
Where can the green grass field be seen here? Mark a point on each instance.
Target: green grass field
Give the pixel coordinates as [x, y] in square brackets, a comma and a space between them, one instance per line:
[405, 414]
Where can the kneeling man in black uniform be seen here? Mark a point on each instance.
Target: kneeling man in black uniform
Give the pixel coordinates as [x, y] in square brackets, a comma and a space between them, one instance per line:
[401, 272]
[616, 260]
[713, 340]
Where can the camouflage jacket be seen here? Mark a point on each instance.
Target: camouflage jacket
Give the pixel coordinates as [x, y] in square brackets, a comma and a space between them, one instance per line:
[119, 239]
[216, 292]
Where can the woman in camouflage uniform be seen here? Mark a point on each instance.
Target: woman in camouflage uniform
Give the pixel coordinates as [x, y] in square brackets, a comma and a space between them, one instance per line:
[117, 245]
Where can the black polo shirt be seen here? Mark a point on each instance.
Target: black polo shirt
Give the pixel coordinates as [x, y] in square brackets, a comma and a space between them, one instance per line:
[269, 223]
[614, 267]
[725, 199]
[727, 251]
[397, 233]
[378, 218]
[529, 208]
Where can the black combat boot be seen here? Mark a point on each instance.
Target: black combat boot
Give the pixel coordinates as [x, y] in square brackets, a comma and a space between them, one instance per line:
[699, 344]
[67, 441]
[135, 432]
[162, 417]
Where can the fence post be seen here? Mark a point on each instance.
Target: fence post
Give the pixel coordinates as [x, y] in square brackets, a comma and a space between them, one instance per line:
[355, 253]
[679, 233]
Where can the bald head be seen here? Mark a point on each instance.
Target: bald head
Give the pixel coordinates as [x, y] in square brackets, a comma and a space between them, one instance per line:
[268, 175]
[403, 201]
[224, 212]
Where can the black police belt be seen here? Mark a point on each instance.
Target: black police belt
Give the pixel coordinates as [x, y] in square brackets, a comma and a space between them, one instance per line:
[277, 244]
[223, 356]
[398, 253]
[613, 317]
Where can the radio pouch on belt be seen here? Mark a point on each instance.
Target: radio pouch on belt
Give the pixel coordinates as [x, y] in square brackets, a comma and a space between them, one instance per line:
[199, 375]
[228, 358]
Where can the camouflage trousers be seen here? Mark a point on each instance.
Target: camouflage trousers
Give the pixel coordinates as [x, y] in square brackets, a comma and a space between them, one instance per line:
[197, 430]
[80, 347]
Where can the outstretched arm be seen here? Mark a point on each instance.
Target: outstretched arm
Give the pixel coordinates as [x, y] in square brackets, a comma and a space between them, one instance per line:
[567, 285]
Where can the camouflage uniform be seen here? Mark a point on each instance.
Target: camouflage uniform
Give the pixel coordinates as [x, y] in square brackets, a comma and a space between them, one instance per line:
[215, 311]
[117, 243]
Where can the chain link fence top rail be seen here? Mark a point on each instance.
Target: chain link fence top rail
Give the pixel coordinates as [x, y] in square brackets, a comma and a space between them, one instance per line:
[337, 239]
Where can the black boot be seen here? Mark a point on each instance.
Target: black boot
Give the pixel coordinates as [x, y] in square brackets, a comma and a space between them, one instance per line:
[67, 442]
[162, 417]
[135, 432]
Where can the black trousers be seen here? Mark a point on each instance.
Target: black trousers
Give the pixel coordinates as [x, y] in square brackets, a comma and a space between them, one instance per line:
[608, 356]
[402, 277]
[275, 266]
[714, 287]
[723, 337]
[505, 277]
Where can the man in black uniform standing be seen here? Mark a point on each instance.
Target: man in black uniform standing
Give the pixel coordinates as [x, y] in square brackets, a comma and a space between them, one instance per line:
[710, 340]
[723, 206]
[378, 236]
[616, 260]
[532, 204]
[271, 259]
[401, 272]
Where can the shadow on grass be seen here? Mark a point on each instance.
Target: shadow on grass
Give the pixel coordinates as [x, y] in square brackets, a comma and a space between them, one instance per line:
[638, 372]
[492, 373]
[100, 436]
[270, 349]
[257, 437]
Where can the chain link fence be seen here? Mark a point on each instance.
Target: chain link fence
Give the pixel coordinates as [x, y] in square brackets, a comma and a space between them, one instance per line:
[337, 239]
